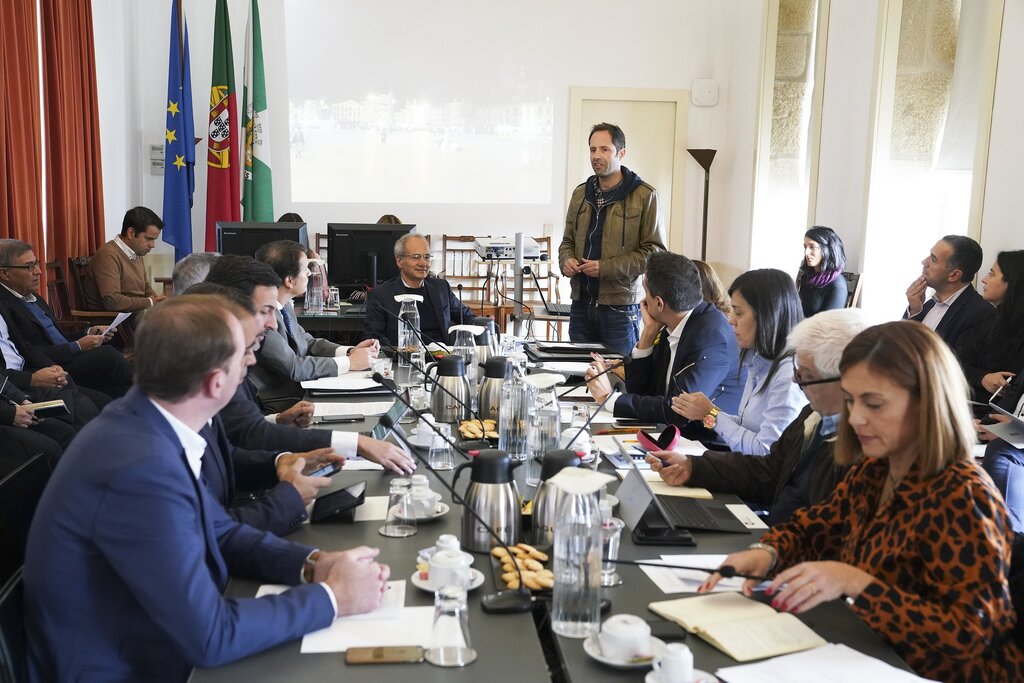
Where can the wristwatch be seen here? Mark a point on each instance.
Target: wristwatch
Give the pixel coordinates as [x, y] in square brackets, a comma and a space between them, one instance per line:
[711, 419]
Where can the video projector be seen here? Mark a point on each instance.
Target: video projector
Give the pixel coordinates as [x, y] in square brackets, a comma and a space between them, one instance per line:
[504, 248]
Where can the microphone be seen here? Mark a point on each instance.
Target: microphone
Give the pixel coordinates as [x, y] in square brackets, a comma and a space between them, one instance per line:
[462, 308]
[379, 379]
[726, 571]
[626, 360]
[504, 601]
[415, 331]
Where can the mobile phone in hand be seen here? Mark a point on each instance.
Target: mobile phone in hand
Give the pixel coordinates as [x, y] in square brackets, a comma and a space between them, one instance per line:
[328, 470]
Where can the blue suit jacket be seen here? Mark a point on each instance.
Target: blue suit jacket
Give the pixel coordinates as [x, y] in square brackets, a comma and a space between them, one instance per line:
[128, 556]
[247, 427]
[227, 468]
[384, 327]
[709, 342]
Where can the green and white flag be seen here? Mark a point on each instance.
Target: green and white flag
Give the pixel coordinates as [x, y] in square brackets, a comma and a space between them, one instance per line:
[257, 186]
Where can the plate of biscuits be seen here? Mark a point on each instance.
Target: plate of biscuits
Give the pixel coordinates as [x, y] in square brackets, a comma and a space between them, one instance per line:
[532, 567]
[473, 430]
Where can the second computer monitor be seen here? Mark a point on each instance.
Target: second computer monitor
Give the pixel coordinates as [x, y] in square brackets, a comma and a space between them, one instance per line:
[362, 255]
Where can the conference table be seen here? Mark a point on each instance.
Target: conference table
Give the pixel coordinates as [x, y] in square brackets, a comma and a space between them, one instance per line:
[517, 648]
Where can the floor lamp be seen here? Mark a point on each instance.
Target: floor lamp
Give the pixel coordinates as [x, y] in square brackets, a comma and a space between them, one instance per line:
[704, 157]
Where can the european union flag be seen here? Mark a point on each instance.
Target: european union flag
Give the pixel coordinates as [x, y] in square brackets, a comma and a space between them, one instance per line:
[180, 149]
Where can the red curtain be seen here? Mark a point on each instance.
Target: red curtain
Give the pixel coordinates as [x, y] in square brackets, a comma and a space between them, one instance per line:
[21, 196]
[74, 177]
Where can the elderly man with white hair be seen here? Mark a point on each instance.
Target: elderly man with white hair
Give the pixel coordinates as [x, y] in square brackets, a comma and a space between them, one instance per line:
[799, 469]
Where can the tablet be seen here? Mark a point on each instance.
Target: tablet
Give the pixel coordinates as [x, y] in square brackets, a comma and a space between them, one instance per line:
[338, 505]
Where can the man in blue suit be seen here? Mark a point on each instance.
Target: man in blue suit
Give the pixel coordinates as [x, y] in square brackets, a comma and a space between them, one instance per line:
[686, 345]
[128, 555]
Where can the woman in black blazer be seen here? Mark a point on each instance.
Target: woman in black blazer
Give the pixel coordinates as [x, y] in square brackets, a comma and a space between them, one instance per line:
[820, 281]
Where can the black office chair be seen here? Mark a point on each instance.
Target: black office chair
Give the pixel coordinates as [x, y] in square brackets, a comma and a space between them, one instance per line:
[13, 643]
[19, 494]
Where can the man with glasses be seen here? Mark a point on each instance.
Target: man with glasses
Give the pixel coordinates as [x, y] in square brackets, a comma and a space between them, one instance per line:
[799, 470]
[439, 310]
[91, 362]
[289, 354]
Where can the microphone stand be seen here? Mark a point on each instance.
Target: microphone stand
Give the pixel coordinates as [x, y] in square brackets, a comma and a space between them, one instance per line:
[504, 601]
[726, 571]
[462, 307]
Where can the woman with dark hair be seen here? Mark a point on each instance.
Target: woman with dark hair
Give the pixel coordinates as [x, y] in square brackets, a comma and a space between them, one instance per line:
[994, 351]
[765, 308]
[915, 537]
[820, 280]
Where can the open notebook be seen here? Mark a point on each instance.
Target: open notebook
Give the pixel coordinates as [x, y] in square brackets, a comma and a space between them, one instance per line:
[740, 627]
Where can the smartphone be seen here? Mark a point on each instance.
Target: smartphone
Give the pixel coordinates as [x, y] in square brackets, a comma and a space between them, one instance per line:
[397, 654]
[328, 470]
[342, 419]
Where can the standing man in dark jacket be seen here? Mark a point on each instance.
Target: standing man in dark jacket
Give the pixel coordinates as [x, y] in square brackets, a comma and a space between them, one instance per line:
[799, 469]
[612, 226]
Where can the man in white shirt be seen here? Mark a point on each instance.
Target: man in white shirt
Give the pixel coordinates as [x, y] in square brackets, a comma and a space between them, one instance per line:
[289, 354]
[955, 307]
[129, 555]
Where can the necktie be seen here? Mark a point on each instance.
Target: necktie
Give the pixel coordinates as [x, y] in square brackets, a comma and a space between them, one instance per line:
[287, 323]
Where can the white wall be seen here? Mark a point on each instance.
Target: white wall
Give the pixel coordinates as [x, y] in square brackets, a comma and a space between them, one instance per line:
[664, 44]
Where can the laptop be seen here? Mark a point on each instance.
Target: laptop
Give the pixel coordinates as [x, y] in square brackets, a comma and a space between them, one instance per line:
[691, 513]
[1011, 432]
[557, 309]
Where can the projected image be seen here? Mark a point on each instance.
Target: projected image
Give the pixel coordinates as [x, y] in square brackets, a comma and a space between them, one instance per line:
[359, 151]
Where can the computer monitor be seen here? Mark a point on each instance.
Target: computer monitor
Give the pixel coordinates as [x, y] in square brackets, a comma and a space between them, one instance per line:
[362, 255]
[245, 239]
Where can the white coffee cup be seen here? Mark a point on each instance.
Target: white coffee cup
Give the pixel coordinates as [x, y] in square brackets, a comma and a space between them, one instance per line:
[424, 502]
[674, 665]
[624, 637]
[447, 542]
[448, 568]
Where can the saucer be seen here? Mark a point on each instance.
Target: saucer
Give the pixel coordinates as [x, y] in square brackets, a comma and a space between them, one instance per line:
[441, 511]
[698, 677]
[476, 579]
[593, 649]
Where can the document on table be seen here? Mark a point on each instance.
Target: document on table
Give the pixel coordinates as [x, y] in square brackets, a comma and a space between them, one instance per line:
[566, 367]
[373, 509]
[660, 488]
[358, 382]
[356, 463]
[390, 624]
[322, 408]
[577, 393]
[832, 662]
[671, 580]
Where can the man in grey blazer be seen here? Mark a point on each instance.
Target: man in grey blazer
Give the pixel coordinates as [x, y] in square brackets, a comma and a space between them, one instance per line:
[290, 355]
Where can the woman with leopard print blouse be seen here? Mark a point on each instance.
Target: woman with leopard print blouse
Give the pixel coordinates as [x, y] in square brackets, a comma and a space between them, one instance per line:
[916, 536]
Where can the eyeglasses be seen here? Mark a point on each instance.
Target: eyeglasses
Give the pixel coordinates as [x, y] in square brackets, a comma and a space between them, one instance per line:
[800, 382]
[31, 265]
[418, 257]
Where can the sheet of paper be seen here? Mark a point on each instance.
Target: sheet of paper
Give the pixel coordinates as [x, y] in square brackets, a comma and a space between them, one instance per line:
[373, 509]
[356, 463]
[566, 367]
[671, 580]
[343, 383]
[577, 393]
[119, 318]
[832, 663]
[746, 516]
[660, 488]
[389, 624]
[602, 418]
[321, 408]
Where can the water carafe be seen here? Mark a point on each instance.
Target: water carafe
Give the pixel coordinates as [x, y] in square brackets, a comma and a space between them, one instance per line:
[548, 497]
[450, 400]
[514, 413]
[545, 421]
[576, 598]
[410, 348]
[493, 495]
[464, 344]
[314, 302]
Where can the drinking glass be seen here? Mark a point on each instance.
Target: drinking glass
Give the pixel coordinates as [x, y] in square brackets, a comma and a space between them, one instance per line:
[611, 532]
[401, 519]
[441, 457]
[450, 645]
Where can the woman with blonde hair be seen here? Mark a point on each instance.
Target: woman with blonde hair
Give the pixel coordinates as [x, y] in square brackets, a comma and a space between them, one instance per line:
[916, 537]
[712, 289]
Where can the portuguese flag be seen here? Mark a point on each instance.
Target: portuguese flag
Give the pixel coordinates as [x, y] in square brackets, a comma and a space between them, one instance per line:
[257, 188]
[222, 202]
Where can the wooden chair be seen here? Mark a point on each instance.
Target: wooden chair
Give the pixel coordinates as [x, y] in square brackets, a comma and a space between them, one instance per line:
[853, 289]
[460, 265]
[57, 298]
[84, 299]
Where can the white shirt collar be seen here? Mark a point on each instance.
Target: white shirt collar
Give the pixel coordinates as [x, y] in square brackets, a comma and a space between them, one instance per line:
[280, 306]
[30, 297]
[125, 248]
[422, 284]
[677, 331]
[952, 297]
[194, 444]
